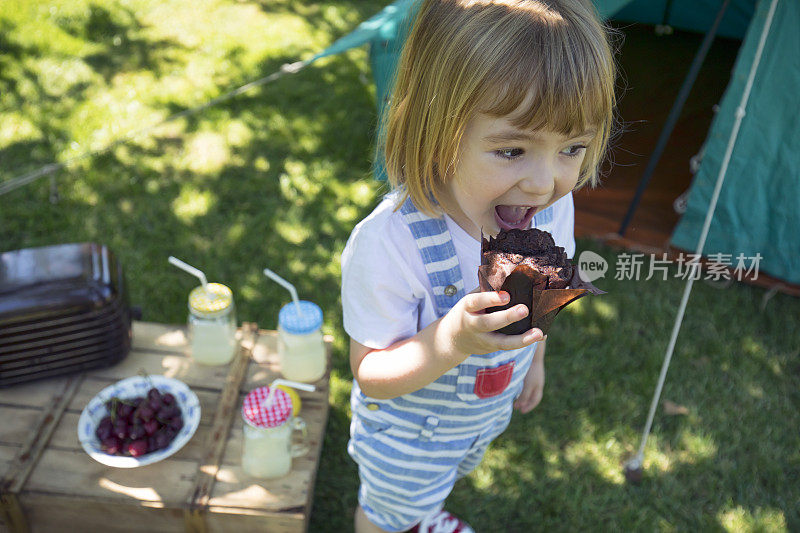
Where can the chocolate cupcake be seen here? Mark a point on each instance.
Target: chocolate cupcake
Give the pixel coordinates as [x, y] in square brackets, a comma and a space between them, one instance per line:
[534, 271]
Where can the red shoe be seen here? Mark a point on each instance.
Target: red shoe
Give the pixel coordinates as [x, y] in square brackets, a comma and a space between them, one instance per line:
[442, 522]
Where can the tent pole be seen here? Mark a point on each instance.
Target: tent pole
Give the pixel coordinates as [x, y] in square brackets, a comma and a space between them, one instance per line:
[633, 468]
[665, 16]
[673, 116]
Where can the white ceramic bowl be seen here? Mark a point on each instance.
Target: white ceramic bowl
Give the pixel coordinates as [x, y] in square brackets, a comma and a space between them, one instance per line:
[132, 387]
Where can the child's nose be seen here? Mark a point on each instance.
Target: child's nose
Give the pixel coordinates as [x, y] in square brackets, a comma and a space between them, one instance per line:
[539, 179]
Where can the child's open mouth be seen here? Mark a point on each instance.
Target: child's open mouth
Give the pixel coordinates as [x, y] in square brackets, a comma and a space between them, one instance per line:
[513, 216]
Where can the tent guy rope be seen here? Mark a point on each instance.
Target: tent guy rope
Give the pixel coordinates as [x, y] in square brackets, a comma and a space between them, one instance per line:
[365, 32]
[633, 468]
[20, 181]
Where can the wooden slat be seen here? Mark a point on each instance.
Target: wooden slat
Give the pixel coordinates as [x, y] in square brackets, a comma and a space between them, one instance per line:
[161, 337]
[236, 491]
[73, 472]
[194, 520]
[12, 514]
[225, 413]
[66, 486]
[16, 473]
[7, 454]
[16, 425]
[33, 394]
[68, 512]
[66, 438]
[226, 520]
[30, 452]
[154, 363]
[208, 399]
[318, 437]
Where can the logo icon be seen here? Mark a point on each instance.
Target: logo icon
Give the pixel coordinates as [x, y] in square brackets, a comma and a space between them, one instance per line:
[591, 266]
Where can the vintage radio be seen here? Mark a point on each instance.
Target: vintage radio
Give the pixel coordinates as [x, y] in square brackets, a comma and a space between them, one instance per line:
[63, 309]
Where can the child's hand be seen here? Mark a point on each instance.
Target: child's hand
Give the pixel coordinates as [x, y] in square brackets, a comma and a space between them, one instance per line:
[473, 331]
[533, 386]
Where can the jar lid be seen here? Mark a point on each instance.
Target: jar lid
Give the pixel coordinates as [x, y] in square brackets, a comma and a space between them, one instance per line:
[215, 301]
[299, 318]
[256, 412]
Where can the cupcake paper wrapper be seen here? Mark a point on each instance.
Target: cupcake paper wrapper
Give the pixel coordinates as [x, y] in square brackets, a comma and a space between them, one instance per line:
[525, 286]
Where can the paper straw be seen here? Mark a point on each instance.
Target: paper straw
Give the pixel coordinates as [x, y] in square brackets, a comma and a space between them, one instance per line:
[288, 286]
[191, 270]
[293, 384]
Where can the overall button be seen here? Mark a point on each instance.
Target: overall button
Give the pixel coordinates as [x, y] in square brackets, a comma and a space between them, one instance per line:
[373, 406]
[450, 290]
[428, 428]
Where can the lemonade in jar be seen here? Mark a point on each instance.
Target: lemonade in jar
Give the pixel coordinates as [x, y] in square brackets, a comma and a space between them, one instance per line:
[212, 324]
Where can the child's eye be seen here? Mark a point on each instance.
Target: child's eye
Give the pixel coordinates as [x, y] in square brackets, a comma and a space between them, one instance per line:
[574, 150]
[509, 153]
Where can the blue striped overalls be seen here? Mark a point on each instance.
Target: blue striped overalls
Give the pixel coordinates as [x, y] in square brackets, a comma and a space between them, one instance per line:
[411, 449]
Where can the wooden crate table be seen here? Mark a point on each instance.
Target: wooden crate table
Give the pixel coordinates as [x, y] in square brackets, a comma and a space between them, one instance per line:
[50, 484]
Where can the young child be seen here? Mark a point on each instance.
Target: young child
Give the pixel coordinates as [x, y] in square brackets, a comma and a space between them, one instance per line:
[500, 109]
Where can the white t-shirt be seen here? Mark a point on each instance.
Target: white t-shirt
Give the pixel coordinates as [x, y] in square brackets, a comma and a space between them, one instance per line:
[386, 293]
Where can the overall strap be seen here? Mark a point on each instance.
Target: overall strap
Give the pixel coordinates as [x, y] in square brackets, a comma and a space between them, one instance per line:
[543, 217]
[438, 254]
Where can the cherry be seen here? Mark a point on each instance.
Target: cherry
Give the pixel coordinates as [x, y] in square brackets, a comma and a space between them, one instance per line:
[104, 428]
[136, 432]
[150, 427]
[176, 423]
[120, 429]
[137, 447]
[162, 439]
[111, 445]
[167, 412]
[140, 425]
[146, 413]
[124, 410]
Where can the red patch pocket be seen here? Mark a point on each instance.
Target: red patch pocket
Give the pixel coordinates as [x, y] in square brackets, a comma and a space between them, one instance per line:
[492, 381]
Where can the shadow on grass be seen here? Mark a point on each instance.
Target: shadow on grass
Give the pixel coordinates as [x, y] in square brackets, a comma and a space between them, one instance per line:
[123, 48]
[326, 15]
[283, 198]
[730, 463]
[19, 86]
[278, 177]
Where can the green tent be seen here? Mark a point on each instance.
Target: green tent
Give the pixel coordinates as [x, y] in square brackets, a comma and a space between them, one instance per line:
[758, 209]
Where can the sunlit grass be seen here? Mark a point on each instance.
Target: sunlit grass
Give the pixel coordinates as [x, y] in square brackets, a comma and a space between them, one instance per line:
[206, 153]
[192, 203]
[279, 176]
[740, 519]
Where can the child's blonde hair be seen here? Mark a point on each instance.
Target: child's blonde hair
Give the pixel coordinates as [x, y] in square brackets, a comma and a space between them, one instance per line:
[465, 56]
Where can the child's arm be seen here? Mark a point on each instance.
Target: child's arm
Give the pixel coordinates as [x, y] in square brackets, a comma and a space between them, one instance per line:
[533, 386]
[411, 364]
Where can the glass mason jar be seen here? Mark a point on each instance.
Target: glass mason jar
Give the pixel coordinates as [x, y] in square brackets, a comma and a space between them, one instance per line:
[301, 349]
[267, 449]
[212, 324]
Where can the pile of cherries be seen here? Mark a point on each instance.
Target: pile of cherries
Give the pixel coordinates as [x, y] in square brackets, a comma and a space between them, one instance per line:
[140, 425]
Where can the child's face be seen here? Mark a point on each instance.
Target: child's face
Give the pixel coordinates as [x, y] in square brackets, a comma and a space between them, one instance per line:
[506, 175]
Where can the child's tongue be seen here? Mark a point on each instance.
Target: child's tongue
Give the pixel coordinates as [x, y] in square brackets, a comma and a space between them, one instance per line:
[512, 216]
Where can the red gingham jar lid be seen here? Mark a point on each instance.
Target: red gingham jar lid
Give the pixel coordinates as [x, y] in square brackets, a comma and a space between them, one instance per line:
[255, 412]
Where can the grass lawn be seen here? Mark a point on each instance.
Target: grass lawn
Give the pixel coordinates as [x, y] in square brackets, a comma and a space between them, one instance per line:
[279, 176]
